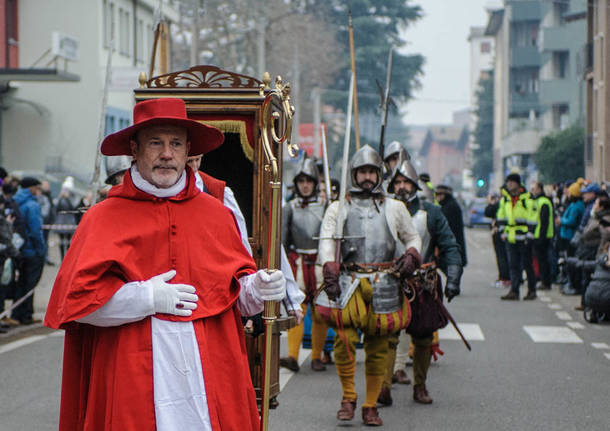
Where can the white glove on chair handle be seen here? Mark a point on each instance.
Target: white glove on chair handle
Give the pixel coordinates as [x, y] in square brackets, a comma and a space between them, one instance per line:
[270, 286]
[177, 299]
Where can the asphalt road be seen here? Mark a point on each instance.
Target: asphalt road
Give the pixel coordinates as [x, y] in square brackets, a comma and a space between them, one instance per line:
[508, 382]
[534, 366]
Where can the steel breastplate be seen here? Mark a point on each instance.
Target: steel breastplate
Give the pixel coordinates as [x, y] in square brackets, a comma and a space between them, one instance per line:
[420, 220]
[368, 237]
[305, 225]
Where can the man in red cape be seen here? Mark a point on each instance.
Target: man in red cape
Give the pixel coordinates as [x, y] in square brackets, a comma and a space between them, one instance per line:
[151, 291]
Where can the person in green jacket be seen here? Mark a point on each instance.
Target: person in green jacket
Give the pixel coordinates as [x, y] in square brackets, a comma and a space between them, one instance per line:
[543, 233]
[517, 221]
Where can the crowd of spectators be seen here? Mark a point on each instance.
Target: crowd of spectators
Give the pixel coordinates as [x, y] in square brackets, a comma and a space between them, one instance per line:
[559, 235]
[27, 209]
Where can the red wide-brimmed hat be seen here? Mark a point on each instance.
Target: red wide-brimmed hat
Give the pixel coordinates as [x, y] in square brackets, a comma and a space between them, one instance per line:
[166, 111]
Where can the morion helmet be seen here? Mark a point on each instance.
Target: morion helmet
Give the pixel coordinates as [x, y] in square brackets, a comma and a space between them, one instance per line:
[366, 156]
[407, 170]
[308, 168]
[115, 165]
[393, 148]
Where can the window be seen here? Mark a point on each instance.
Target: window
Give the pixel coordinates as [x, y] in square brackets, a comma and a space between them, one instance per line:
[561, 116]
[560, 64]
[124, 32]
[485, 47]
[108, 24]
[526, 81]
[140, 40]
[524, 33]
[116, 119]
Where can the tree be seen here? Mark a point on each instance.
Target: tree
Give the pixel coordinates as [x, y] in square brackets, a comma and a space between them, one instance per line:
[560, 156]
[377, 25]
[483, 133]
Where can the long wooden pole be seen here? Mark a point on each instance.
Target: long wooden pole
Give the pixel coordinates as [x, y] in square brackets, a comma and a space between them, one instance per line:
[355, 85]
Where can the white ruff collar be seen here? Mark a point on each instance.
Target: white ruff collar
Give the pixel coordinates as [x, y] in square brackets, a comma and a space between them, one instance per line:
[149, 188]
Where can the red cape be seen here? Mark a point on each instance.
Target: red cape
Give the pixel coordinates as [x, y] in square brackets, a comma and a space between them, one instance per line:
[108, 378]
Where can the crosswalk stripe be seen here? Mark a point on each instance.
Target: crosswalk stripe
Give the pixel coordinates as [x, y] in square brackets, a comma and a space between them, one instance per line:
[19, 343]
[563, 315]
[607, 355]
[555, 306]
[600, 345]
[545, 299]
[575, 325]
[471, 331]
[552, 334]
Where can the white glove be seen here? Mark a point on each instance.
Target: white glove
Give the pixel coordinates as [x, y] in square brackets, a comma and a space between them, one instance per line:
[270, 286]
[177, 299]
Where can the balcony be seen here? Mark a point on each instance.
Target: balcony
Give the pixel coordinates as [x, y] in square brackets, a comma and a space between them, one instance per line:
[524, 56]
[525, 10]
[523, 103]
[556, 38]
[553, 91]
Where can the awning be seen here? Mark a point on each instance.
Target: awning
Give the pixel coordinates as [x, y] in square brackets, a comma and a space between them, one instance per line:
[37, 75]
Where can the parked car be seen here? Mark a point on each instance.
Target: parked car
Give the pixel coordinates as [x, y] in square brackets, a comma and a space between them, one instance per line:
[475, 213]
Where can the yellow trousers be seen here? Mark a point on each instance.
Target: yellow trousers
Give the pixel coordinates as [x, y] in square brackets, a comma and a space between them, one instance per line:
[318, 338]
[376, 351]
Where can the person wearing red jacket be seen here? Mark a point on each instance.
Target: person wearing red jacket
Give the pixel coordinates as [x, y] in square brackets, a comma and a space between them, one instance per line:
[151, 291]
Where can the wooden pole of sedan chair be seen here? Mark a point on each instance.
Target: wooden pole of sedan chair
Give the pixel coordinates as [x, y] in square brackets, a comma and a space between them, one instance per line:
[354, 85]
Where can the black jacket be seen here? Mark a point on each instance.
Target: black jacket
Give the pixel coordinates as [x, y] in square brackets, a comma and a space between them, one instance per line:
[453, 213]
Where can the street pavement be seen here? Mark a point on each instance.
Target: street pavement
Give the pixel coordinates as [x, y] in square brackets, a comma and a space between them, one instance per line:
[534, 366]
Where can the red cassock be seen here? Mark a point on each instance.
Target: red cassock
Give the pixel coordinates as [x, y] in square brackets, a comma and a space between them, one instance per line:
[107, 379]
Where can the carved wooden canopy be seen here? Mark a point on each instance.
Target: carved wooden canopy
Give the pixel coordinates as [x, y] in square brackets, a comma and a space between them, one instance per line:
[203, 77]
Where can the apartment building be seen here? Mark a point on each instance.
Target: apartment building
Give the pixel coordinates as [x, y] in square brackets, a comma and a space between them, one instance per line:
[536, 85]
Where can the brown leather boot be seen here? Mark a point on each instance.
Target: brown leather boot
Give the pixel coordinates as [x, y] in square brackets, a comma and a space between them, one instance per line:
[290, 363]
[317, 365]
[346, 412]
[400, 376]
[510, 296]
[385, 396]
[420, 394]
[370, 417]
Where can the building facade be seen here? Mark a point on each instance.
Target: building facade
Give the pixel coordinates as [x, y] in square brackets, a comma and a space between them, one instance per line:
[54, 126]
[596, 65]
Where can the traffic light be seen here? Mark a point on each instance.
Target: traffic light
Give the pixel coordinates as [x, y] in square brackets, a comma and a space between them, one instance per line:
[480, 182]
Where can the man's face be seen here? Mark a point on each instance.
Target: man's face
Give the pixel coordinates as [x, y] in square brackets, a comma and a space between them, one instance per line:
[535, 189]
[305, 186]
[160, 153]
[366, 177]
[45, 186]
[403, 186]
[440, 196]
[512, 186]
[392, 160]
[194, 162]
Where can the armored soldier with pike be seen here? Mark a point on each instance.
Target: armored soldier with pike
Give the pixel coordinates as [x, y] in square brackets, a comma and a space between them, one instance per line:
[438, 246]
[301, 220]
[360, 236]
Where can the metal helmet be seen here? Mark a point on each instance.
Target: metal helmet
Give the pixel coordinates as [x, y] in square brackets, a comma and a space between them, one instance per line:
[407, 170]
[115, 165]
[366, 156]
[308, 168]
[393, 148]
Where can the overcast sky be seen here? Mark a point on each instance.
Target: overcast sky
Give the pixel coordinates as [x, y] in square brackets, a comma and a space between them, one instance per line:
[441, 37]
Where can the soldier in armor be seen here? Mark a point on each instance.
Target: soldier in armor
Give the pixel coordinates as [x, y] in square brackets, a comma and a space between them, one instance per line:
[116, 166]
[393, 155]
[301, 220]
[362, 288]
[436, 236]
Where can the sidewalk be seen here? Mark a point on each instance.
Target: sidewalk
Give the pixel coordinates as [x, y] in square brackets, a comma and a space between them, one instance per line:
[41, 294]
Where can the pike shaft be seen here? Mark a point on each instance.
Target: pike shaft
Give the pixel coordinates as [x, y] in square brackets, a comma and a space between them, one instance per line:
[354, 84]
